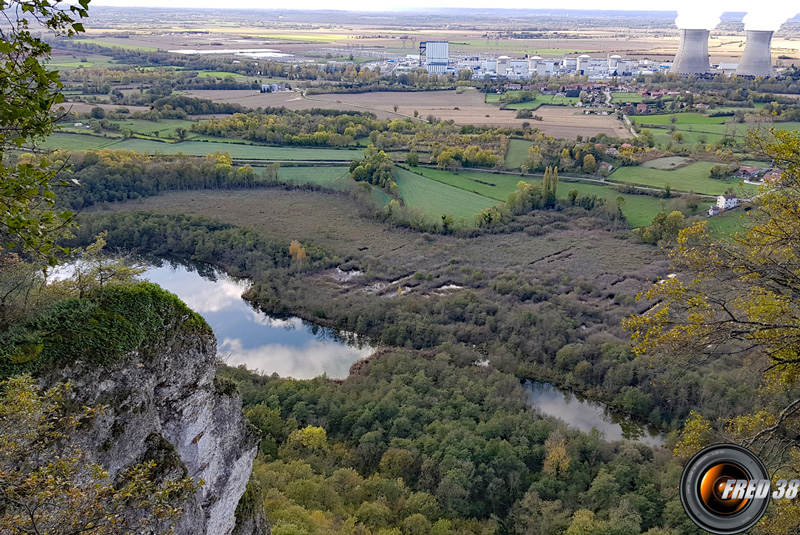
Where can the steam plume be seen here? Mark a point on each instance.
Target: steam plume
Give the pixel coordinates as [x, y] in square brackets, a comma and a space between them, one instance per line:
[770, 18]
[696, 16]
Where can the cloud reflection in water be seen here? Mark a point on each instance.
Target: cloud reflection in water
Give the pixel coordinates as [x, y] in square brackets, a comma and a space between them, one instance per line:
[286, 346]
[585, 415]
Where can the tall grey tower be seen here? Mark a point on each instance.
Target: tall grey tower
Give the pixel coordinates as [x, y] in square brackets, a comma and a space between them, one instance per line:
[756, 59]
[692, 57]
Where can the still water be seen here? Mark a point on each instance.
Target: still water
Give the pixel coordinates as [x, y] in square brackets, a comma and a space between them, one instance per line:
[289, 347]
[584, 415]
[292, 347]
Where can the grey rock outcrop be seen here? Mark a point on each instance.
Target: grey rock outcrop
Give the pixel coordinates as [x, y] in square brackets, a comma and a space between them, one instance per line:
[169, 394]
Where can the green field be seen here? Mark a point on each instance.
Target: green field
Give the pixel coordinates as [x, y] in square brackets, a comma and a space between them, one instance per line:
[165, 128]
[625, 97]
[697, 127]
[733, 109]
[729, 223]
[522, 46]
[380, 197]
[540, 100]
[667, 164]
[494, 186]
[680, 118]
[323, 176]
[638, 209]
[436, 198]
[199, 148]
[219, 74]
[517, 152]
[543, 100]
[70, 62]
[693, 177]
[76, 142]
[116, 44]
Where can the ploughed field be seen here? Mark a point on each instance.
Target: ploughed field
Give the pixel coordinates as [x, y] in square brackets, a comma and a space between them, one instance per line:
[461, 106]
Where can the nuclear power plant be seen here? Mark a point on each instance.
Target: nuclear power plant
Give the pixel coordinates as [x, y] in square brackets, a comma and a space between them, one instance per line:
[692, 57]
[757, 58]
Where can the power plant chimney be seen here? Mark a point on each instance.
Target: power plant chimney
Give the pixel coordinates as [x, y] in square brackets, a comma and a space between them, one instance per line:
[692, 57]
[757, 58]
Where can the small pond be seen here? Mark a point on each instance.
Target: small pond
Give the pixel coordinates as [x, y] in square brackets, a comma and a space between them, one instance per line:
[289, 346]
[582, 414]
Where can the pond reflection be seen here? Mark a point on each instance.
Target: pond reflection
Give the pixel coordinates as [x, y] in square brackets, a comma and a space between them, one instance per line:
[289, 347]
[584, 415]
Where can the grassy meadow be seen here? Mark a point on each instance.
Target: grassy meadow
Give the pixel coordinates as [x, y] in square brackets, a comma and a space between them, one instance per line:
[324, 176]
[517, 152]
[625, 97]
[68, 141]
[638, 209]
[693, 177]
[436, 198]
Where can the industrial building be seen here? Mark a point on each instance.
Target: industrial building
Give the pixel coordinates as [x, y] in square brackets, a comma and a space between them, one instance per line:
[435, 55]
[595, 68]
[692, 59]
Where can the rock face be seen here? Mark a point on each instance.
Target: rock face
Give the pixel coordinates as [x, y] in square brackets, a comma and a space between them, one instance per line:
[168, 394]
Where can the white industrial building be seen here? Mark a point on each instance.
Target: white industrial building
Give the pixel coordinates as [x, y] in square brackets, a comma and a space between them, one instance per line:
[595, 68]
[435, 55]
[692, 57]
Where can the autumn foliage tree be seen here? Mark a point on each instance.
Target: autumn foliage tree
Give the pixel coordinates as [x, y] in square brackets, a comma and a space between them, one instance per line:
[738, 296]
[297, 251]
[550, 186]
[28, 93]
[48, 486]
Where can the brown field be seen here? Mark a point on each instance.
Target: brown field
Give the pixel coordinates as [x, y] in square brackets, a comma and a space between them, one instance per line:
[566, 122]
[362, 40]
[463, 107]
[330, 221]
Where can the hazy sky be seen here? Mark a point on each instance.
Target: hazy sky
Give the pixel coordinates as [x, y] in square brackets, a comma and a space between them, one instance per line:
[372, 5]
[693, 13]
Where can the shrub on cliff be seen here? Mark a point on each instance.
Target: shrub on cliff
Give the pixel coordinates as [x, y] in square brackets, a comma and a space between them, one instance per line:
[101, 327]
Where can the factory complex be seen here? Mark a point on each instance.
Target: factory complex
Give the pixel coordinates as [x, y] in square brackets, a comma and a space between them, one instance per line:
[692, 58]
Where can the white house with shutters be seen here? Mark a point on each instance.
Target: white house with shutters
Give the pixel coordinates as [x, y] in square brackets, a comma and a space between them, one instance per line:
[726, 202]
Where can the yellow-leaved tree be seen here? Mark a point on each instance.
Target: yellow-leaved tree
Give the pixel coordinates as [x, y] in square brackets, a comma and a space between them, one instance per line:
[741, 295]
[49, 487]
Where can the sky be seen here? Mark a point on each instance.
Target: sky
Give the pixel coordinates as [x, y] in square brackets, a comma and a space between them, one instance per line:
[691, 13]
[372, 5]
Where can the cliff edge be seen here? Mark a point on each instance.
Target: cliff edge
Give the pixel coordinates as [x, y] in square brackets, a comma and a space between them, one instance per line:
[151, 362]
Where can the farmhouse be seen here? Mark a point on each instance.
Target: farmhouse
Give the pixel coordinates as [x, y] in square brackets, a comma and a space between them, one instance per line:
[726, 202]
[713, 210]
[773, 176]
[747, 171]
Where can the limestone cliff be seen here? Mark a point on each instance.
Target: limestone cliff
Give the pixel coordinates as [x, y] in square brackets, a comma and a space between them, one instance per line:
[165, 394]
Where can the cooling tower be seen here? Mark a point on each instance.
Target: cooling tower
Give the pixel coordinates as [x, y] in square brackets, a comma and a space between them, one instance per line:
[757, 59]
[692, 57]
